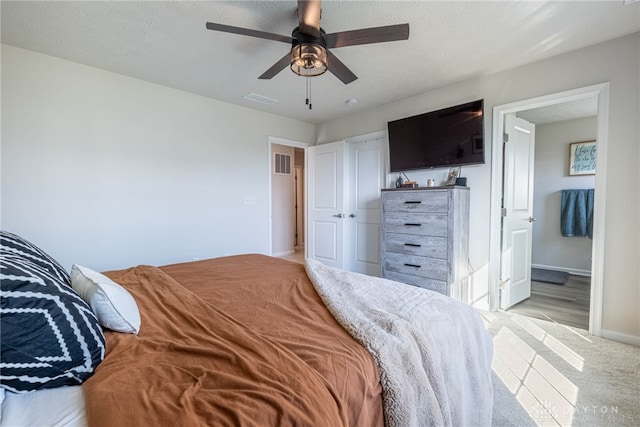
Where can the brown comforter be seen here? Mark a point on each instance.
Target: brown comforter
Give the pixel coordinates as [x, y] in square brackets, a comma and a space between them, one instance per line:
[238, 341]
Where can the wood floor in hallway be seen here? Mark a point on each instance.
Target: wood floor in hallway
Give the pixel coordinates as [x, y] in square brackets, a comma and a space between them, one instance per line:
[298, 256]
[566, 304]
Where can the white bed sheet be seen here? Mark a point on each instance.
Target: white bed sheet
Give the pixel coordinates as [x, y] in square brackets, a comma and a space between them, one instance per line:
[63, 406]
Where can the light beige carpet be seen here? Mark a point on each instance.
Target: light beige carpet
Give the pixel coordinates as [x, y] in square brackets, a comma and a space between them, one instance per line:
[547, 374]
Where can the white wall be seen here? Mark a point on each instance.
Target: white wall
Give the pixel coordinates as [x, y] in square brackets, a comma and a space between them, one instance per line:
[109, 171]
[551, 176]
[617, 62]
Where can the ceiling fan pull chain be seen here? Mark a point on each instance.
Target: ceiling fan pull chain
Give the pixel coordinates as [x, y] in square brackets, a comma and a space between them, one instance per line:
[309, 92]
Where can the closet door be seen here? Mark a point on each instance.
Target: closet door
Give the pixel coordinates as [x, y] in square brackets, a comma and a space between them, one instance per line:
[325, 203]
[344, 205]
[362, 224]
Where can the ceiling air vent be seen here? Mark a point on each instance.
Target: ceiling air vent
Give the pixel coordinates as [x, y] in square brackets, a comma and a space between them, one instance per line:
[260, 99]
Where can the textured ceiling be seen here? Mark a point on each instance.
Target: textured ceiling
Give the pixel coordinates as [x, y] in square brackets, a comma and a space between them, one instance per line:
[167, 43]
[560, 112]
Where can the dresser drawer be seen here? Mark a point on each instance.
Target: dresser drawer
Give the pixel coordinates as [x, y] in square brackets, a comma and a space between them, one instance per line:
[414, 265]
[416, 201]
[428, 246]
[423, 282]
[426, 224]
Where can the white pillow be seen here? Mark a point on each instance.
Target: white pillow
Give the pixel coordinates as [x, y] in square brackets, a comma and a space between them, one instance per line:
[112, 304]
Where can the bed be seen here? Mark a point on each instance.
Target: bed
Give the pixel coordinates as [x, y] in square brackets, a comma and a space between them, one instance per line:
[252, 340]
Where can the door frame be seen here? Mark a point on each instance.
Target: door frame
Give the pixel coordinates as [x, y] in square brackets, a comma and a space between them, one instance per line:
[601, 92]
[299, 203]
[281, 141]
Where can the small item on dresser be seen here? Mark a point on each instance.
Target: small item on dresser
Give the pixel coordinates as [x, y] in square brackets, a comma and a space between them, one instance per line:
[431, 182]
[409, 184]
[399, 181]
[454, 173]
[462, 181]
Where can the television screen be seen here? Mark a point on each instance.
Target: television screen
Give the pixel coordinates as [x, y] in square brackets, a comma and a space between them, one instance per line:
[449, 137]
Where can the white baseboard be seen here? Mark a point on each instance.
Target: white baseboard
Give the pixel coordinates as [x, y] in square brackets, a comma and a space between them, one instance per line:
[279, 254]
[623, 338]
[575, 271]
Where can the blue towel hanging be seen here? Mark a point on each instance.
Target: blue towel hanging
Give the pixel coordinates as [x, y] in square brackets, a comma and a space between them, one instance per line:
[576, 213]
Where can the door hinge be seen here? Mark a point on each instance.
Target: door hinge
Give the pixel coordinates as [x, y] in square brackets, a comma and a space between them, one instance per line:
[505, 138]
[503, 212]
[502, 284]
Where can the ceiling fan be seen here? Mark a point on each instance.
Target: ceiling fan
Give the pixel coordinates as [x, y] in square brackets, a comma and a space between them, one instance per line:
[310, 54]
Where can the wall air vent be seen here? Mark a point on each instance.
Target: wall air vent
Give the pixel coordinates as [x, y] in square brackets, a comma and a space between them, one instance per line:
[260, 99]
[282, 164]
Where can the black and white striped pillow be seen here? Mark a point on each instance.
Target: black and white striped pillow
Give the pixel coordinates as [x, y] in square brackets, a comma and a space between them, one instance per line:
[10, 244]
[49, 337]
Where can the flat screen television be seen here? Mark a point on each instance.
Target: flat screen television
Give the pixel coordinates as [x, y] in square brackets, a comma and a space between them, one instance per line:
[444, 138]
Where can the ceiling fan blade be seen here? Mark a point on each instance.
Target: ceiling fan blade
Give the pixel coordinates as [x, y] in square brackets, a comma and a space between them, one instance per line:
[309, 17]
[277, 67]
[248, 32]
[339, 69]
[368, 35]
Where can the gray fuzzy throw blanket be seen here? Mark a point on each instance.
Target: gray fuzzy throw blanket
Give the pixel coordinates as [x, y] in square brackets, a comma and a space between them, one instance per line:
[433, 353]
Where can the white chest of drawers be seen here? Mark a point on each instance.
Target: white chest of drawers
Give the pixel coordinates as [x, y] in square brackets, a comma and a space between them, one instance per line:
[425, 238]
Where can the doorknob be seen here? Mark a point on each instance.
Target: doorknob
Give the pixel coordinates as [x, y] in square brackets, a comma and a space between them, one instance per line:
[531, 219]
[352, 215]
[338, 215]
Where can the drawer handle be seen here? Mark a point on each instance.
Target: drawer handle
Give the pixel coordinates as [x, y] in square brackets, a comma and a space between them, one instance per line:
[413, 245]
[412, 265]
[413, 202]
[412, 224]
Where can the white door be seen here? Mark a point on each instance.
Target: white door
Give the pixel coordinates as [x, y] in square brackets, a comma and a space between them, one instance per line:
[517, 220]
[362, 225]
[325, 211]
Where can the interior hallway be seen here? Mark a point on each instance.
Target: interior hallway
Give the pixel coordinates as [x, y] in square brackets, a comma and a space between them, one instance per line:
[566, 304]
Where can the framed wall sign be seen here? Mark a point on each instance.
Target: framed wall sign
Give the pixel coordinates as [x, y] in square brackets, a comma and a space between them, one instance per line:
[582, 158]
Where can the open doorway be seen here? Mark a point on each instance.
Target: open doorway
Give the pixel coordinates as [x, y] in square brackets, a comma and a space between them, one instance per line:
[561, 245]
[286, 199]
[497, 256]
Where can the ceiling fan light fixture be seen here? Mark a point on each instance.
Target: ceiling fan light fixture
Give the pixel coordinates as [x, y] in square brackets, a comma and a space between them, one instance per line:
[308, 59]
